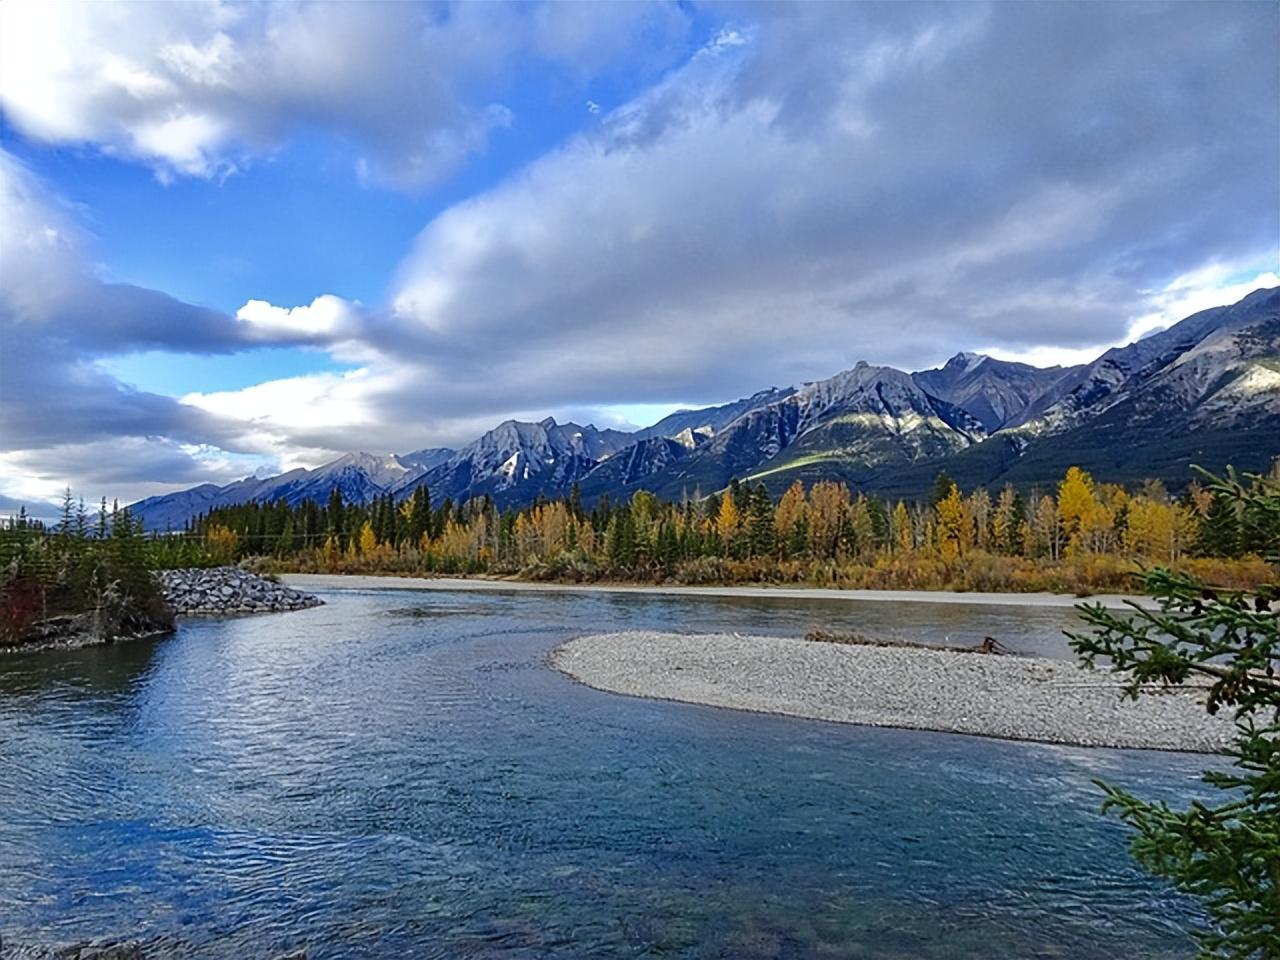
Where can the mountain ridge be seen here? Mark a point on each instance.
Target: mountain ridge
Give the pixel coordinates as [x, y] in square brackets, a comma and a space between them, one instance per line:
[1207, 386]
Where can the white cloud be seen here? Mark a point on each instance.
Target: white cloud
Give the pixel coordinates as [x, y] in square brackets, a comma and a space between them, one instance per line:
[326, 319]
[1212, 285]
[828, 184]
[200, 88]
[63, 418]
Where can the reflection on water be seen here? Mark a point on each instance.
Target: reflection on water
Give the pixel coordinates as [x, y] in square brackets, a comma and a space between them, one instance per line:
[401, 775]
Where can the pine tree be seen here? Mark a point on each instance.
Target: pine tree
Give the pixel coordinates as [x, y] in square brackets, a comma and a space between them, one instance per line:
[667, 551]
[760, 535]
[942, 485]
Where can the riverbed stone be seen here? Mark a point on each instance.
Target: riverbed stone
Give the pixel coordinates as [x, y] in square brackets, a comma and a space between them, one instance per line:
[216, 591]
[1010, 697]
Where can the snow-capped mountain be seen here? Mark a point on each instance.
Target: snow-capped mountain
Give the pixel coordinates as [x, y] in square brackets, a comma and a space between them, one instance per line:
[864, 416]
[1206, 390]
[712, 419]
[994, 391]
[1086, 391]
[359, 476]
[515, 461]
[633, 467]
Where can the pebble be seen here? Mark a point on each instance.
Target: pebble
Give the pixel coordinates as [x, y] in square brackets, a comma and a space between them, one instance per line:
[216, 591]
[1011, 697]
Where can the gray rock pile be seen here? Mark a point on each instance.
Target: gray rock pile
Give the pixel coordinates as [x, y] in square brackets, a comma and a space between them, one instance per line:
[227, 590]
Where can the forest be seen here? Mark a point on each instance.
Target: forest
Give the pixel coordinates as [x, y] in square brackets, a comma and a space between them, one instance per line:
[97, 567]
[1081, 536]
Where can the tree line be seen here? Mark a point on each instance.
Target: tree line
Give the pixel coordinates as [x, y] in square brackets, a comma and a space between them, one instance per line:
[99, 564]
[1081, 534]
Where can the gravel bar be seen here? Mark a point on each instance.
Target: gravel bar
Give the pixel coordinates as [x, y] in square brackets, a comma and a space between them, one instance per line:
[358, 581]
[1012, 697]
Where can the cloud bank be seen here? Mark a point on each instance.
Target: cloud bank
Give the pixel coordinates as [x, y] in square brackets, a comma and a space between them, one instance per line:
[816, 185]
[202, 89]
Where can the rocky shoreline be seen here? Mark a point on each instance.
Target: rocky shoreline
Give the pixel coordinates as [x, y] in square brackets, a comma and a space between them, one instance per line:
[221, 591]
[210, 592]
[1009, 697]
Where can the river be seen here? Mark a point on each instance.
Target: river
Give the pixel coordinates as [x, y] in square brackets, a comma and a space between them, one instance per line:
[399, 774]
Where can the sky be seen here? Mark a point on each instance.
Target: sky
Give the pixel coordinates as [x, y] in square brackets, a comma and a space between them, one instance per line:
[241, 237]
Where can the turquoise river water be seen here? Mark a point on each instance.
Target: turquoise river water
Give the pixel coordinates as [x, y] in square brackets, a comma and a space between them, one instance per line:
[402, 775]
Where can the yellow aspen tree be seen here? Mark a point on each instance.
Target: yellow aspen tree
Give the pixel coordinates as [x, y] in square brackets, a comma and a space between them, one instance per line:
[368, 540]
[1094, 534]
[728, 521]
[790, 510]
[828, 502]
[1149, 533]
[979, 509]
[1004, 521]
[954, 529]
[903, 528]
[1075, 500]
[222, 542]
[1083, 519]
[525, 536]
[1044, 528]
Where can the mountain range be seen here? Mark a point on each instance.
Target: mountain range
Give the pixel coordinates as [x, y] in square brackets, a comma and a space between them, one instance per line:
[1206, 391]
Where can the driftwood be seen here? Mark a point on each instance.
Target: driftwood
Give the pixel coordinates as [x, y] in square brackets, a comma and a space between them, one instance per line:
[988, 645]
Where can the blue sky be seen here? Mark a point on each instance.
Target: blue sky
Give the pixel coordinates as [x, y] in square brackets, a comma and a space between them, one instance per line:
[243, 236]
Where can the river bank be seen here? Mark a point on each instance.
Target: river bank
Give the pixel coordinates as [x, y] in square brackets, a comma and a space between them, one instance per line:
[1015, 698]
[204, 591]
[339, 581]
[221, 591]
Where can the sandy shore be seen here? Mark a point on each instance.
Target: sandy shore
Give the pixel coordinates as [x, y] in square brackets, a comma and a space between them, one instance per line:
[1018, 698]
[328, 581]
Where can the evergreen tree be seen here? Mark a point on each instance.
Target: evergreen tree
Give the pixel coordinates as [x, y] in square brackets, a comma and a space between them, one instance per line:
[419, 520]
[760, 534]
[942, 485]
[334, 515]
[1220, 534]
[667, 551]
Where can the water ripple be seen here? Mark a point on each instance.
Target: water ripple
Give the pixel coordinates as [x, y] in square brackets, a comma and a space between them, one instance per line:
[392, 776]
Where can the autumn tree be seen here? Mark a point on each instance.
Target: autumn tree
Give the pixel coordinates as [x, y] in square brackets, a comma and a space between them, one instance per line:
[222, 543]
[1043, 532]
[728, 522]
[904, 537]
[828, 501]
[790, 511]
[954, 531]
[1084, 519]
[979, 508]
[368, 542]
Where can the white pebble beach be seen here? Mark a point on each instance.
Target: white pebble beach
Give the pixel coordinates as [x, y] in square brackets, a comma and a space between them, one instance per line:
[1011, 697]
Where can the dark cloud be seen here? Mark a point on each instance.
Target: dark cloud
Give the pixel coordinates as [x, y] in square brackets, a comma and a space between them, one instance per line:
[837, 182]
